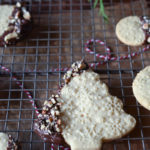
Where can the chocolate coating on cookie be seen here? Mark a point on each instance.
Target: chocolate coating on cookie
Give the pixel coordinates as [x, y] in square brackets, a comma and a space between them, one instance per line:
[145, 21]
[47, 126]
[45, 135]
[15, 22]
[51, 111]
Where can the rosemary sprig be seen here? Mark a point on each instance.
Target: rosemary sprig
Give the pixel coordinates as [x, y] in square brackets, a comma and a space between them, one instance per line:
[102, 11]
[95, 3]
[101, 8]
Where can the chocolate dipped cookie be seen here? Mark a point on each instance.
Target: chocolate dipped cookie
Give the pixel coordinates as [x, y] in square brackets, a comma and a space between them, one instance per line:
[15, 22]
[84, 114]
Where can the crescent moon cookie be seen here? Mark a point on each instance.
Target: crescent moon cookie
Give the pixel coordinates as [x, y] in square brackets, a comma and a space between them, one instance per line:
[15, 21]
[133, 30]
[7, 142]
[141, 87]
[84, 113]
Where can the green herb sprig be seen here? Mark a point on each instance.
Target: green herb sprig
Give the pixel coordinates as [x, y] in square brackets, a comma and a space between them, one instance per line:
[101, 8]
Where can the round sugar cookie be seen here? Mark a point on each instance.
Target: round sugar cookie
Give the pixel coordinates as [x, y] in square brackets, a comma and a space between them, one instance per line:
[141, 87]
[129, 31]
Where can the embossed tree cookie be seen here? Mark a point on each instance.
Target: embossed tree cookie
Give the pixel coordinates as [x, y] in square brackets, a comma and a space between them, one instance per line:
[84, 113]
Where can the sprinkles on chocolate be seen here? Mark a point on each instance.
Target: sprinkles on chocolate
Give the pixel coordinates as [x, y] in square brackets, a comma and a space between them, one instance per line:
[145, 21]
[134, 30]
[15, 21]
[48, 124]
[49, 120]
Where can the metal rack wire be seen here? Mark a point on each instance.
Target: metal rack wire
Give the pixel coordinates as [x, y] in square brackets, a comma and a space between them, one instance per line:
[61, 27]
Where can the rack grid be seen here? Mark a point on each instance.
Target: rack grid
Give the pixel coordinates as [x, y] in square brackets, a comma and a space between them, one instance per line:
[60, 30]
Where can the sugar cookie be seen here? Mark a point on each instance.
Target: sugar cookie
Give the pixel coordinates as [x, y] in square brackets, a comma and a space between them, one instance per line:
[141, 87]
[133, 30]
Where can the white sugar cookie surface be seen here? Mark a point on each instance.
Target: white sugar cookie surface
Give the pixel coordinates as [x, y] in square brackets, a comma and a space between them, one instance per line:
[5, 13]
[129, 31]
[141, 87]
[3, 141]
[90, 115]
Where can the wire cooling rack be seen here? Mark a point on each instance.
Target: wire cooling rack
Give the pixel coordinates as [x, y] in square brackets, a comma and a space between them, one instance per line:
[61, 28]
